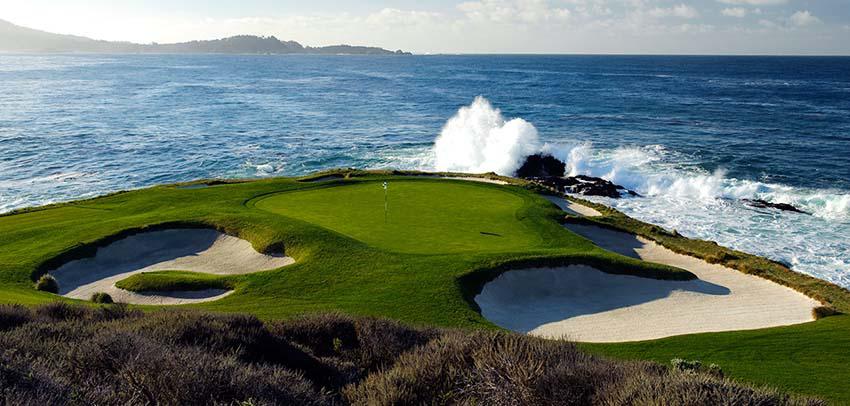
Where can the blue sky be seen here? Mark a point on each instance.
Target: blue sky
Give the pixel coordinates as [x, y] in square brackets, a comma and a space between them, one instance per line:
[468, 26]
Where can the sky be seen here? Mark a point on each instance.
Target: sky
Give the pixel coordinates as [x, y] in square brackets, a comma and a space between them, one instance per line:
[466, 26]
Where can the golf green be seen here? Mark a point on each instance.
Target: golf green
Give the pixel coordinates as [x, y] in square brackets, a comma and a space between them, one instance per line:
[422, 216]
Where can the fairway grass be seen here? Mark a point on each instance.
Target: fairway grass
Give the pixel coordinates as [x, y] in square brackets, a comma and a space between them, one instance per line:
[442, 240]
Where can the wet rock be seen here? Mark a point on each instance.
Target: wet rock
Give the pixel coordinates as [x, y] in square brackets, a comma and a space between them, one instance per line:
[593, 186]
[584, 185]
[549, 171]
[541, 166]
[764, 204]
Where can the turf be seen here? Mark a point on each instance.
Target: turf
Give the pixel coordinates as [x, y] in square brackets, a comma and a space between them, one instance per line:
[441, 241]
[424, 217]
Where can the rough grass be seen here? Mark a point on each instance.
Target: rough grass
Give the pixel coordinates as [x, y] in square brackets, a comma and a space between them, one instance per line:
[62, 354]
[164, 281]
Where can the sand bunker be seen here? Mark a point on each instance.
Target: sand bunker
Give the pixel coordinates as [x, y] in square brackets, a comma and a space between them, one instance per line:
[197, 250]
[573, 208]
[583, 304]
[467, 178]
[474, 179]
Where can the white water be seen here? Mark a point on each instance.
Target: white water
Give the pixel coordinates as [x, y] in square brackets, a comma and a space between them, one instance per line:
[478, 139]
[678, 194]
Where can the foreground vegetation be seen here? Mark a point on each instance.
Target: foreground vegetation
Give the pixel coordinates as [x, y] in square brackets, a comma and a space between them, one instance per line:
[61, 354]
[441, 242]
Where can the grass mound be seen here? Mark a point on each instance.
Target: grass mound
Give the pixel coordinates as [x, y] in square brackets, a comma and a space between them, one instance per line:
[173, 281]
[63, 354]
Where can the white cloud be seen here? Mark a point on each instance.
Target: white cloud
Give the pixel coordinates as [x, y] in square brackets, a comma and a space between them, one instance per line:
[738, 12]
[393, 16]
[768, 24]
[803, 18]
[512, 11]
[681, 11]
[754, 2]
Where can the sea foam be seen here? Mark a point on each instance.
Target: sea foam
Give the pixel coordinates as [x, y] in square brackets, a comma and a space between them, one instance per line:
[478, 139]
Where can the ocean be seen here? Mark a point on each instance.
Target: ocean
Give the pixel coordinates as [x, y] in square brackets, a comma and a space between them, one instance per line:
[692, 134]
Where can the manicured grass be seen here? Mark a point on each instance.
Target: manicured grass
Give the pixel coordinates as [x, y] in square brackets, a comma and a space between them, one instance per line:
[425, 217]
[163, 281]
[441, 241]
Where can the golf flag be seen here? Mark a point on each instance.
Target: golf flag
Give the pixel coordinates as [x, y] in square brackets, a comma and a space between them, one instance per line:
[385, 202]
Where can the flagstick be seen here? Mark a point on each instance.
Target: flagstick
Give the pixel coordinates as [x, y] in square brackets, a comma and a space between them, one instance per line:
[385, 203]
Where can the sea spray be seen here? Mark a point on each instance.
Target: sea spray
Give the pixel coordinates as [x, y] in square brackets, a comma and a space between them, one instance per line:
[478, 139]
[655, 171]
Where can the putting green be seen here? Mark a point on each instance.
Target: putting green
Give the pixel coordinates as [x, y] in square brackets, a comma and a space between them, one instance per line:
[423, 216]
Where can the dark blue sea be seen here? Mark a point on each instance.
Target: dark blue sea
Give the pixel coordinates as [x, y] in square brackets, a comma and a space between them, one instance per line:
[692, 134]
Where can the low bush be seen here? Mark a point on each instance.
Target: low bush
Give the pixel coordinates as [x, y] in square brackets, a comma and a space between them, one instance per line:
[67, 354]
[101, 297]
[823, 311]
[47, 283]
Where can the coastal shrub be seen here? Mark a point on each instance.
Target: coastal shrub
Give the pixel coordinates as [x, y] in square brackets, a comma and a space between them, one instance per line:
[69, 354]
[47, 283]
[685, 365]
[823, 311]
[101, 297]
[12, 316]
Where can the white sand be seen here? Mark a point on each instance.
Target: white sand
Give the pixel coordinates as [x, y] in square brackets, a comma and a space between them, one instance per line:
[324, 178]
[573, 208]
[474, 179]
[583, 304]
[197, 250]
[467, 178]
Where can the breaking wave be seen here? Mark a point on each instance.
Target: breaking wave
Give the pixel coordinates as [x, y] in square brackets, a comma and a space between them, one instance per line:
[654, 171]
[478, 139]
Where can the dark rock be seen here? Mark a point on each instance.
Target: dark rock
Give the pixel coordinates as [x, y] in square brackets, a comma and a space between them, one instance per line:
[764, 204]
[584, 185]
[541, 166]
[549, 171]
[593, 186]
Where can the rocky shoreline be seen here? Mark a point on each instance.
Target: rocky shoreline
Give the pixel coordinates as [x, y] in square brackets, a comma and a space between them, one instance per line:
[550, 172]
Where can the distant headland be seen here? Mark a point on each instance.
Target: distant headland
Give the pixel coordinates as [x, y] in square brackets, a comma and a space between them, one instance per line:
[14, 38]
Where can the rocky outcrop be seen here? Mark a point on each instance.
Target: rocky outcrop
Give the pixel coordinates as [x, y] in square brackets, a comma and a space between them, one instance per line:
[593, 186]
[764, 204]
[584, 185]
[541, 166]
[549, 171]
